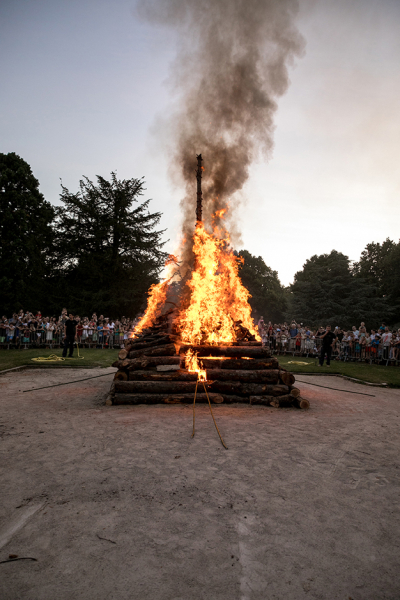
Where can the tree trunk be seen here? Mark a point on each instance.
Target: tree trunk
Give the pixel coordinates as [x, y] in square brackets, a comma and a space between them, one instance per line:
[122, 354]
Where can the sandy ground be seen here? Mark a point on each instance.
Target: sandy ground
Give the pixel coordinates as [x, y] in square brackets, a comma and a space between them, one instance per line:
[120, 503]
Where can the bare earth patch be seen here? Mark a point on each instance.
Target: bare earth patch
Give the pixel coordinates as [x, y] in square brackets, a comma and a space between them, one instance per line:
[120, 503]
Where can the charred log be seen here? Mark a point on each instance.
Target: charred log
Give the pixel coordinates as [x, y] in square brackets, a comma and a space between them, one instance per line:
[233, 351]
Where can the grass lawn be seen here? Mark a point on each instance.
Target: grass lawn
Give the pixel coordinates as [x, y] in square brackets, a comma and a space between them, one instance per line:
[363, 371]
[104, 358]
[92, 358]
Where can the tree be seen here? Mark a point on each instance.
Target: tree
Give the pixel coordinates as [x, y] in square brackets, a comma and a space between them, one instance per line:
[268, 296]
[379, 265]
[326, 292]
[106, 248]
[25, 236]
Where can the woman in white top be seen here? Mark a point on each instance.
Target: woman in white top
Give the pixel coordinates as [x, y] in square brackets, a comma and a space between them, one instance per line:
[49, 331]
[85, 330]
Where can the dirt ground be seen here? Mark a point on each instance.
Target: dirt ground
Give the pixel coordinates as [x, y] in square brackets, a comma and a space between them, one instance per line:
[120, 503]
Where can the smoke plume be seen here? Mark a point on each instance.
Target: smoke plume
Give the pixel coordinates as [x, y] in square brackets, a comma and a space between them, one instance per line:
[231, 67]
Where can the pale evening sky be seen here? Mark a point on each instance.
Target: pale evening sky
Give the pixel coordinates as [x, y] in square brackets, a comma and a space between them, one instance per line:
[84, 84]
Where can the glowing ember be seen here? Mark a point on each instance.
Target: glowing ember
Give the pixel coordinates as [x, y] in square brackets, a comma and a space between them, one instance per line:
[218, 301]
[193, 366]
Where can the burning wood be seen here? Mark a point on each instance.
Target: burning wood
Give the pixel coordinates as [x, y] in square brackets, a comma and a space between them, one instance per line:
[209, 338]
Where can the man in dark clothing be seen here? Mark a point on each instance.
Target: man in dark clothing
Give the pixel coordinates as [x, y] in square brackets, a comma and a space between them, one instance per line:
[70, 336]
[327, 338]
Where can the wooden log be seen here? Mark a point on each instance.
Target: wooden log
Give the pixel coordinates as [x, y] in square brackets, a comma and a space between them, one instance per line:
[158, 341]
[287, 378]
[153, 361]
[264, 400]
[263, 376]
[167, 350]
[295, 392]
[155, 376]
[239, 363]
[155, 387]
[301, 403]
[248, 389]
[243, 343]
[122, 354]
[121, 376]
[237, 351]
[282, 401]
[165, 398]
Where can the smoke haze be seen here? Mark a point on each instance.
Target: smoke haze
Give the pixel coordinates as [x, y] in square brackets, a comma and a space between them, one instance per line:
[231, 66]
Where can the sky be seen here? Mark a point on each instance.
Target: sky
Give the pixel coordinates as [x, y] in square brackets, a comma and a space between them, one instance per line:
[84, 88]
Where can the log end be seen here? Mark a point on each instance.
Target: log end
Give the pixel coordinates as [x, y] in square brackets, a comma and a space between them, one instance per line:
[121, 376]
[217, 399]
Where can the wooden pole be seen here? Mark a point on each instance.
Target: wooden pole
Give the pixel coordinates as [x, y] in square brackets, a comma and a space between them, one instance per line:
[199, 207]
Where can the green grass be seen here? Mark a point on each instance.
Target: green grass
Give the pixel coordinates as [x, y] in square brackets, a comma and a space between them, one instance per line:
[92, 358]
[363, 371]
[104, 358]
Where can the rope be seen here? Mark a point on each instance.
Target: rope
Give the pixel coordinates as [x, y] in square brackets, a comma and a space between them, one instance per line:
[216, 426]
[66, 382]
[194, 402]
[336, 389]
[209, 404]
[55, 358]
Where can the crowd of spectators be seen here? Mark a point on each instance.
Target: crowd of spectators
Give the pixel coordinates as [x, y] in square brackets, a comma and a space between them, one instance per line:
[358, 343]
[25, 328]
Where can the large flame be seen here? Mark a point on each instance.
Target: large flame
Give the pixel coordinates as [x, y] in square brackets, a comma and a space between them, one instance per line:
[218, 299]
[157, 295]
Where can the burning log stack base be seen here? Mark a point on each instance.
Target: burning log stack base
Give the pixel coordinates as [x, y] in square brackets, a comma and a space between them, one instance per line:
[151, 370]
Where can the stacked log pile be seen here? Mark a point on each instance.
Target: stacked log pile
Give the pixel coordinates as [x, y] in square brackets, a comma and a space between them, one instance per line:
[151, 370]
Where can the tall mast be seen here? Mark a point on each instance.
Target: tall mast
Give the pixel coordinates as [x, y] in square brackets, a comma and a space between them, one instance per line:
[199, 207]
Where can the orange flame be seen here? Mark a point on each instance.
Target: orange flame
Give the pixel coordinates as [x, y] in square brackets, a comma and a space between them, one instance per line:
[193, 366]
[218, 298]
[156, 300]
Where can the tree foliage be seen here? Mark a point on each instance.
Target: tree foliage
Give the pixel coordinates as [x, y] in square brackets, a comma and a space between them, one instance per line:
[327, 292]
[107, 251]
[25, 236]
[379, 265]
[268, 296]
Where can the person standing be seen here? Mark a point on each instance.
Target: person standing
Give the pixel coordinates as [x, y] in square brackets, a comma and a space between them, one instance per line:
[386, 339]
[327, 339]
[70, 335]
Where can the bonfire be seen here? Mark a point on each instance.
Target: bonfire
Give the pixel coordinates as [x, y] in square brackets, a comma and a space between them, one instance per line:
[207, 337]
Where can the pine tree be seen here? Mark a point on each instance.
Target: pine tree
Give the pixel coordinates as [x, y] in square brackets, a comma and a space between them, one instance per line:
[107, 250]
